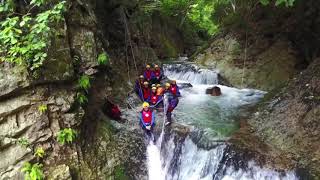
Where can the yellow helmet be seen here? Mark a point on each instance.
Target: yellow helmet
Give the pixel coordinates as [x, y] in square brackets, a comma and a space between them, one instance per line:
[141, 77]
[168, 85]
[158, 85]
[148, 66]
[145, 83]
[145, 104]
[154, 88]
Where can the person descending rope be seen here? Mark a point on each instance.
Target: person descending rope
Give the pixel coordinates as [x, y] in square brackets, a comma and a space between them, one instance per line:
[160, 90]
[147, 119]
[139, 84]
[155, 99]
[157, 74]
[145, 93]
[173, 101]
[148, 74]
[174, 88]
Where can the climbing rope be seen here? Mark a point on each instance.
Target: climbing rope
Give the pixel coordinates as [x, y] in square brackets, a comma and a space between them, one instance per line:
[127, 31]
[245, 59]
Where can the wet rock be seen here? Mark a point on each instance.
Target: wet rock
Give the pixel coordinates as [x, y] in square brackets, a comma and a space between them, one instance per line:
[12, 78]
[290, 122]
[61, 172]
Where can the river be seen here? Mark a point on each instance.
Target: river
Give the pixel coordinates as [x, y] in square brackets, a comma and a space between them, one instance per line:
[201, 153]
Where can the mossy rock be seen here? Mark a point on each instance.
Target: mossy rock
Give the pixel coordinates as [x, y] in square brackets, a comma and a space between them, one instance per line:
[120, 174]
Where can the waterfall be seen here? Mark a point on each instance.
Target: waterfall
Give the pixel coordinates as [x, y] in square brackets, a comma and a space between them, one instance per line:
[201, 153]
[190, 73]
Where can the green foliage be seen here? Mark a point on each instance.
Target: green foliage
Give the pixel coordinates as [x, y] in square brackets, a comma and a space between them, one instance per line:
[198, 12]
[84, 82]
[288, 3]
[43, 108]
[24, 38]
[103, 58]
[23, 142]
[39, 152]
[82, 99]
[66, 135]
[33, 171]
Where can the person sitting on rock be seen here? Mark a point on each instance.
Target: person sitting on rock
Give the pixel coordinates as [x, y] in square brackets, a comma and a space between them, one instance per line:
[148, 74]
[160, 90]
[147, 118]
[111, 110]
[155, 99]
[174, 88]
[216, 91]
[157, 74]
[139, 84]
[145, 93]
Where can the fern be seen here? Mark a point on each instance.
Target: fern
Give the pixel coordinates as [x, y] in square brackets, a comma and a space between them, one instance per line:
[33, 171]
[23, 142]
[43, 108]
[66, 135]
[39, 152]
[84, 82]
[103, 58]
[82, 99]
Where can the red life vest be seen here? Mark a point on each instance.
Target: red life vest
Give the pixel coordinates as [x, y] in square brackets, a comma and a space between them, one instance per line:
[154, 98]
[157, 73]
[148, 74]
[147, 116]
[173, 90]
[146, 93]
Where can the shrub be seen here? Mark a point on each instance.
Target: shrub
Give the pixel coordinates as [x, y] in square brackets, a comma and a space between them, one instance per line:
[24, 38]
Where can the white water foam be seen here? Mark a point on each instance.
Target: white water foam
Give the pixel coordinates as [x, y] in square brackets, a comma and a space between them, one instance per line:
[154, 163]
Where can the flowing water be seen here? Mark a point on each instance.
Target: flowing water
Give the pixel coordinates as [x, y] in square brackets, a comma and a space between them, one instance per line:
[202, 153]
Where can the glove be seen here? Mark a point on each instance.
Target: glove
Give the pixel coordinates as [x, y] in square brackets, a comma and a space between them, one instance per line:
[148, 127]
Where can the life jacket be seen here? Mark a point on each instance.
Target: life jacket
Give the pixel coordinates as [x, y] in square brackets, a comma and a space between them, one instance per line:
[160, 91]
[148, 74]
[154, 98]
[146, 93]
[157, 73]
[174, 89]
[146, 116]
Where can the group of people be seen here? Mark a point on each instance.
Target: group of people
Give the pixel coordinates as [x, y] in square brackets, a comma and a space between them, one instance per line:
[150, 90]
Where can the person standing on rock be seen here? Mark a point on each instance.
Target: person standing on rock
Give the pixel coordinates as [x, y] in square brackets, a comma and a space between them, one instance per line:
[148, 73]
[147, 119]
[157, 74]
[173, 101]
[174, 89]
[139, 84]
